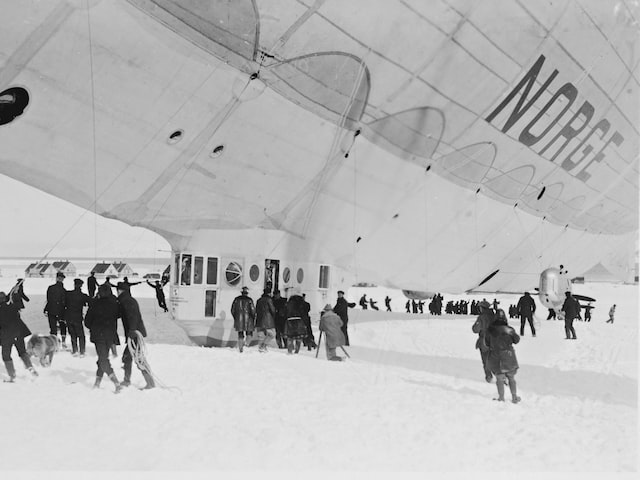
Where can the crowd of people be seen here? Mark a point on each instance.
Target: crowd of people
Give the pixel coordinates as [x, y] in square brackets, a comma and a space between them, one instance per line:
[65, 313]
[288, 320]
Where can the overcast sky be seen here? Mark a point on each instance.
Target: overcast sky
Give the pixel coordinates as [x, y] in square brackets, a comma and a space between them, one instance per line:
[35, 222]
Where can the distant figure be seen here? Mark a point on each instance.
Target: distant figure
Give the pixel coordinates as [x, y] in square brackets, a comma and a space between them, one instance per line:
[107, 281]
[363, 301]
[265, 320]
[500, 338]
[570, 307]
[244, 317]
[16, 295]
[414, 306]
[495, 304]
[126, 281]
[387, 303]
[54, 308]
[295, 328]
[526, 308]
[331, 325]
[421, 306]
[373, 304]
[129, 312]
[159, 294]
[92, 284]
[587, 312]
[407, 306]
[612, 312]
[73, 315]
[101, 320]
[280, 305]
[480, 327]
[552, 314]
[342, 310]
[12, 333]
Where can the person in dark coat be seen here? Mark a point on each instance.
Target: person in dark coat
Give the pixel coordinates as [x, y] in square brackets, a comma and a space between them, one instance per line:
[341, 308]
[92, 284]
[131, 284]
[129, 312]
[280, 305]
[387, 303]
[54, 308]
[526, 308]
[75, 301]
[500, 338]
[17, 296]
[12, 333]
[363, 301]
[570, 307]
[331, 325]
[101, 320]
[265, 320]
[480, 326]
[244, 317]
[587, 312]
[162, 303]
[295, 328]
[308, 341]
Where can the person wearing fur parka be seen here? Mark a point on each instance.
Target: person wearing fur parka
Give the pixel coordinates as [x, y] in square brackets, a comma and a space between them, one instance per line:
[500, 338]
[331, 325]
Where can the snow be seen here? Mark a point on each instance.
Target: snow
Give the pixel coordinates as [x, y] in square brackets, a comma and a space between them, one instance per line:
[412, 398]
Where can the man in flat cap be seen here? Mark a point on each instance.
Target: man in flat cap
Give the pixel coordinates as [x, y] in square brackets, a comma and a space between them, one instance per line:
[341, 308]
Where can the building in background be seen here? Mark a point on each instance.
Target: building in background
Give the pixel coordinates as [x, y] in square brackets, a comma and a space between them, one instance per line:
[49, 270]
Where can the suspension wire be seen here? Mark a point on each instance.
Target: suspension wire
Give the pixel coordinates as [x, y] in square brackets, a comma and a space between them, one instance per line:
[93, 124]
[127, 166]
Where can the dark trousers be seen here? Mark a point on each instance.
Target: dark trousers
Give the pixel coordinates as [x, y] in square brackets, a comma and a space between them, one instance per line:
[568, 328]
[162, 303]
[485, 365]
[523, 321]
[104, 365]
[127, 358]
[55, 322]
[281, 339]
[344, 331]
[77, 337]
[9, 343]
[309, 340]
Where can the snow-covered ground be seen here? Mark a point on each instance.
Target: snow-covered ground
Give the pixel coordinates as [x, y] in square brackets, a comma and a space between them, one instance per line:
[412, 398]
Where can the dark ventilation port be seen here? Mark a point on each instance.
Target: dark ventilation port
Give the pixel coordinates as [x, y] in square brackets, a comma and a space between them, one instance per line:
[175, 137]
[13, 101]
[216, 152]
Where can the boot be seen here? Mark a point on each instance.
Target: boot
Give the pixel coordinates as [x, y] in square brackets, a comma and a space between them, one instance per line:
[247, 341]
[127, 376]
[10, 370]
[149, 379]
[240, 343]
[114, 379]
[97, 382]
[298, 343]
[27, 363]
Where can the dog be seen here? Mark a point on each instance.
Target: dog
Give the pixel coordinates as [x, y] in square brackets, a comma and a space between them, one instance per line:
[43, 347]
